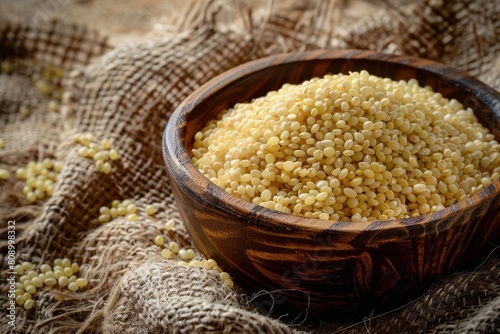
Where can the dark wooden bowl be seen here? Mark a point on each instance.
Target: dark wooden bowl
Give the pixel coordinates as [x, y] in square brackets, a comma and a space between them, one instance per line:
[314, 268]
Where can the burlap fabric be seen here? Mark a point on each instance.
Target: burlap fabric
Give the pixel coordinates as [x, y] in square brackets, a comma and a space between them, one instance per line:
[127, 94]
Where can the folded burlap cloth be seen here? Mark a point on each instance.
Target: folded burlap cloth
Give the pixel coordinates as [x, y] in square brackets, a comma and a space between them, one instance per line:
[127, 94]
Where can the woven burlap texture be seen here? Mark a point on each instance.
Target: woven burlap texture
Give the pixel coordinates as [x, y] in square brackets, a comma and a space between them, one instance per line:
[127, 94]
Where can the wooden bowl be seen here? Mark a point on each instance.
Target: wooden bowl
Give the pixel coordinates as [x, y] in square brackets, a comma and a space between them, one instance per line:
[318, 269]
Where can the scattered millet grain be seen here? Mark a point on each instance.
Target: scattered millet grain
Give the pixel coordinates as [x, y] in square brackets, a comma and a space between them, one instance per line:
[102, 153]
[169, 225]
[24, 111]
[126, 208]
[30, 281]
[6, 66]
[40, 177]
[4, 174]
[188, 255]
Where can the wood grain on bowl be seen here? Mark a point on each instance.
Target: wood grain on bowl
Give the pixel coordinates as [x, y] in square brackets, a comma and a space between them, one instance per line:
[328, 268]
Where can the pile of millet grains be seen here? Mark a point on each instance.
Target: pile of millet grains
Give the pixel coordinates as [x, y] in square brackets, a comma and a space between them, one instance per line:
[353, 147]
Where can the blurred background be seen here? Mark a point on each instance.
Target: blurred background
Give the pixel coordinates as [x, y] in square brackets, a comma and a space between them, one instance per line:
[126, 21]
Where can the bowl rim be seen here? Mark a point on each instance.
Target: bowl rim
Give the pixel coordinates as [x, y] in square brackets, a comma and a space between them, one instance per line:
[173, 146]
